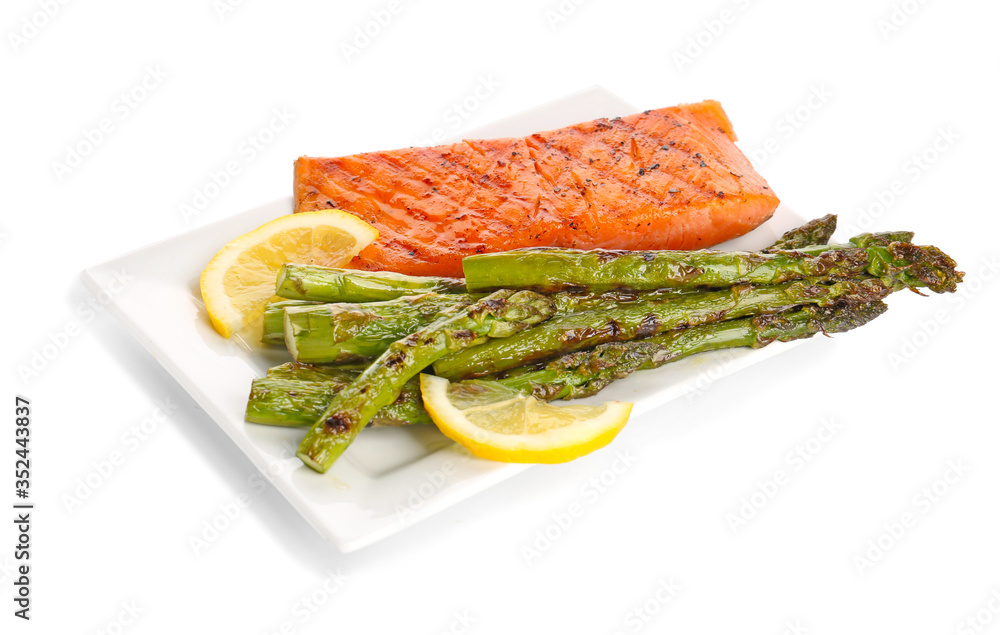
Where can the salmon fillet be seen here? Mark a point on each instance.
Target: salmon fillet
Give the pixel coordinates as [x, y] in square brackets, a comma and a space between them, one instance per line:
[671, 178]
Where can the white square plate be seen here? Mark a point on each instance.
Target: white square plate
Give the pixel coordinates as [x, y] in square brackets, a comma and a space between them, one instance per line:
[389, 478]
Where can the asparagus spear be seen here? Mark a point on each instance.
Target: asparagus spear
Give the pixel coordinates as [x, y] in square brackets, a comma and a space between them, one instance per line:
[498, 315]
[274, 320]
[815, 232]
[553, 269]
[878, 239]
[343, 332]
[327, 284]
[396, 318]
[810, 235]
[584, 373]
[300, 395]
[568, 333]
[315, 372]
[290, 402]
[339, 333]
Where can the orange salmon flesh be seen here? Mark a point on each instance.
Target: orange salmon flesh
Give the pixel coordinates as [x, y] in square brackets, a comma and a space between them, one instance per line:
[671, 178]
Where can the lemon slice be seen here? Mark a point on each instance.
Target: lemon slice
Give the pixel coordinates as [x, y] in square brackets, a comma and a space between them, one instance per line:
[502, 424]
[240, 279]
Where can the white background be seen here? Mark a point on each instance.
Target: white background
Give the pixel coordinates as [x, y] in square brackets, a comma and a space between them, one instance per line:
[910, 393]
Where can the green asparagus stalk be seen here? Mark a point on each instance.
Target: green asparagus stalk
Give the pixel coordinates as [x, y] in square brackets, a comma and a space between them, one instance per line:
[327, 284]
[553, 269]
[818, 231]
[501, 314]
[302, 392]
[584, 373]
[344, 332]
[274, 320]
[295, 371]
[568, 333]
[399, 318]
[325, 334]
[881, 238]
[878, 239]
[290, 402]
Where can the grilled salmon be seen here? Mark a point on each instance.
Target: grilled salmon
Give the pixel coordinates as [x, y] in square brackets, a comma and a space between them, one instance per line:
[671, 178]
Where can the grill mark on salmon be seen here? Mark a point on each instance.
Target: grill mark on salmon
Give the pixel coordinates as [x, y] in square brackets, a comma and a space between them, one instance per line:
[614, 173]
[664, 179]
[472, 144]
[581, 187]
